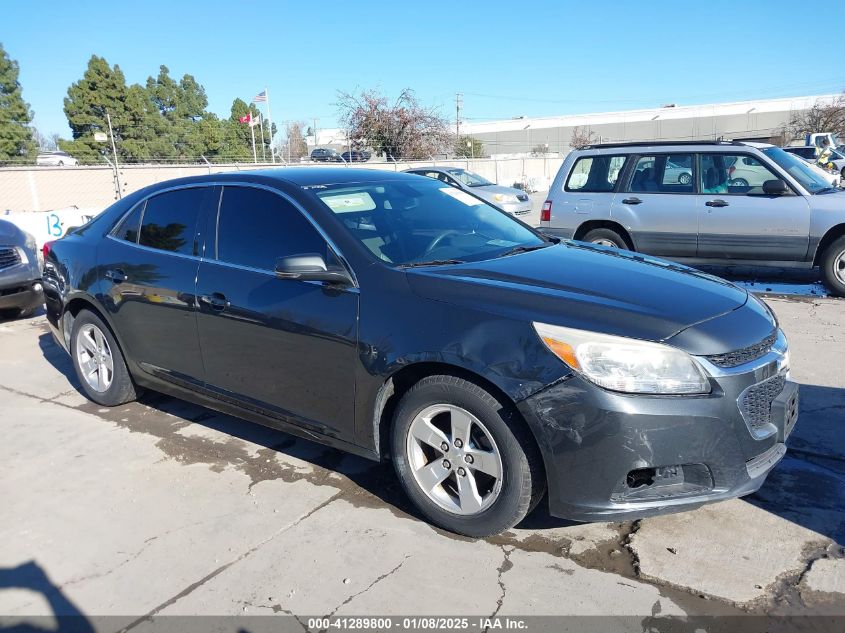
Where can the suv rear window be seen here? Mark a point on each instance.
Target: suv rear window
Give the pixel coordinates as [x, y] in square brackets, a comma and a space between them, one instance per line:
[595, 174]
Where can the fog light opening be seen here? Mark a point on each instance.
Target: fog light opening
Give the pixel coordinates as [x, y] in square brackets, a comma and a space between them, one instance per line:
[641, 477]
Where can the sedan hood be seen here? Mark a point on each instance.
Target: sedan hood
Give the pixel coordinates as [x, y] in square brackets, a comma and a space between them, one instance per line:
[10, 234]
[599, 289]
[488, 191]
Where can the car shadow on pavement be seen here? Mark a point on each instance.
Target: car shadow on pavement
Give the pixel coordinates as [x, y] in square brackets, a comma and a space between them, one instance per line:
[31, 576]
[807, 487]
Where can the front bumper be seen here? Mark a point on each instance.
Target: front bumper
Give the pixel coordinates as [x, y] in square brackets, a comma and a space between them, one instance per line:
[517, 208]
[21, 295]
[613, 456]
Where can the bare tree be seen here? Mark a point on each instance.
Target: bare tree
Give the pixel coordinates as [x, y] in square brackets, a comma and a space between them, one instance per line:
[404, 129]
[295, 146]
[822, 117]
[581, 138]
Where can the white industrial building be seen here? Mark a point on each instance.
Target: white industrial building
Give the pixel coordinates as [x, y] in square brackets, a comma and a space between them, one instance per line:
[760, 120]
[743, 120]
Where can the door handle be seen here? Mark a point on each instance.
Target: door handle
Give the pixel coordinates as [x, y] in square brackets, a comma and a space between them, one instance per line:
[716, 203]
[215, 301]
[116, 275]
[631, 201]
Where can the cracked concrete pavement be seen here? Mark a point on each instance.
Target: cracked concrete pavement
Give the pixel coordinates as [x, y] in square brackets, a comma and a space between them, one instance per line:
[163, 507]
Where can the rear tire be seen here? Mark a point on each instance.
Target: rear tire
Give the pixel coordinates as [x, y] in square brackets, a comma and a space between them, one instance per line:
[833, 267]
[606, 237]
[99, 363]
[482, 484]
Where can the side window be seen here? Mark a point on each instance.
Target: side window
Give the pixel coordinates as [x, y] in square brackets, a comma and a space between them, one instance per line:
[663, 173]
[170, 220]
[128, 229]
[595, 174]
[733, 174]
[256, 227]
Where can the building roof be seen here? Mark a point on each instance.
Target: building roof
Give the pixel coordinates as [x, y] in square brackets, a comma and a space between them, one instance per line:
[787, 104]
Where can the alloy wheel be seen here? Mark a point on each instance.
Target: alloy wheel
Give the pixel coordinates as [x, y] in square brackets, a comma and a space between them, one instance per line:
[94, 356]
[454, 459]
[839, 267]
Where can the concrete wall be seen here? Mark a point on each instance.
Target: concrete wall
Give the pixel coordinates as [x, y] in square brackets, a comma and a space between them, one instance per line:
[50, 188]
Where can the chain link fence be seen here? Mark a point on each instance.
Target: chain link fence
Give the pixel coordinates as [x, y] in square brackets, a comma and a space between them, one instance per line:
[94, 188]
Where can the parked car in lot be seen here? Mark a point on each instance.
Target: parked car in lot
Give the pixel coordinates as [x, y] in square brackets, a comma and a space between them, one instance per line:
[832, 177]
[514, 201]
[55, 159]
[748, 203]
[397, 318]
[808, 152]
[20, 274]
[325, 155]
[356, 156]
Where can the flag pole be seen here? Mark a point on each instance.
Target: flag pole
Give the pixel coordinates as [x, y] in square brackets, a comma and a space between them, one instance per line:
[270, 121]
[263, 142]
[252, 132]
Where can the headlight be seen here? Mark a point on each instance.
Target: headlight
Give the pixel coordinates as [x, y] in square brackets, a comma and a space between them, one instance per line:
[625, 364]
[505, 198]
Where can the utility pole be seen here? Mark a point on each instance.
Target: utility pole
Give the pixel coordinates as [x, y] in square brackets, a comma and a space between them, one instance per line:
[314, 129]
[114, 151]
[459, 103]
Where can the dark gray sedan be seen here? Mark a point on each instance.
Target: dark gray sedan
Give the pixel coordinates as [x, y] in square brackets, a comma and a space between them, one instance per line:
[508, 199]
[20, 275]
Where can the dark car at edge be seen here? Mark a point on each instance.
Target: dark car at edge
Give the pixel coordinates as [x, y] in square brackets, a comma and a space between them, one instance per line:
[401, 319]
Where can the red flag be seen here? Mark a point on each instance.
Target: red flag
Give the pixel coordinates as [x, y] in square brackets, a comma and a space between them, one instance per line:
[245, 119]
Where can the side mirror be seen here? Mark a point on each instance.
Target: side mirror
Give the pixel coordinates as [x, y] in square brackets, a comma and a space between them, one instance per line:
[310, 267]
[775, 187]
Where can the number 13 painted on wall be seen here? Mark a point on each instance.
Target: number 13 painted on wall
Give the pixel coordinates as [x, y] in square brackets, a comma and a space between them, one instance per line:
[54, 225]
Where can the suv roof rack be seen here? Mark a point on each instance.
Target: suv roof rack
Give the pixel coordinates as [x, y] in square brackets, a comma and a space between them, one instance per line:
[660, 143]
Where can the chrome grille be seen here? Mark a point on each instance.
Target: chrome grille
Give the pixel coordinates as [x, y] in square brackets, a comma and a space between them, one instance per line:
[744, 355]
[756, 403]
[9, 257]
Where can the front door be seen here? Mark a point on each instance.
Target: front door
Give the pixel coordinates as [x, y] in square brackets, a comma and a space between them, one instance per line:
[657, 205]
[147, 268]
[283, 347]
[737, 220]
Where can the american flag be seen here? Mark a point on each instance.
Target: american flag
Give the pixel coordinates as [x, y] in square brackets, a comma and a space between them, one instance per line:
[261, 96]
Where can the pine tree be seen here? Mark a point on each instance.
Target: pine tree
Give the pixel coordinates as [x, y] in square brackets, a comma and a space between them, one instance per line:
[16, 136]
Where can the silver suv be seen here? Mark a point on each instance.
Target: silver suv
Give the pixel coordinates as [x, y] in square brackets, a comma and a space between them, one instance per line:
[745, 204]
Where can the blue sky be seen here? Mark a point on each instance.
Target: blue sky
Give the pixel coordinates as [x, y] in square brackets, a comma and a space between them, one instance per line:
[508, 58]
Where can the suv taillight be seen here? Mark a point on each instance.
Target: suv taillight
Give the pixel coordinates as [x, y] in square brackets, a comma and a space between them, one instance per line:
[546, 212]
[45, 250]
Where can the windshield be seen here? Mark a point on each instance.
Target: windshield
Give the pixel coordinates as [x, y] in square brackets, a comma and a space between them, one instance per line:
[798, 169]
[406, 223]
[468, 178]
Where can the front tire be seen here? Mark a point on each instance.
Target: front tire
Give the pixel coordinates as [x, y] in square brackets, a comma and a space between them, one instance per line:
[606, 237]
[99, 363]
[465, 459]
[833, 267]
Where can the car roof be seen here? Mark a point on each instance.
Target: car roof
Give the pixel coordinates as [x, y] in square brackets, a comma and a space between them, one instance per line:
[664, 145]
[445, 170]
[297, 176]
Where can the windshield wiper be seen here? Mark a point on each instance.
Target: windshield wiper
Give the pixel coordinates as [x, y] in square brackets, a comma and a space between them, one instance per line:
[525, 249]
[433, 262]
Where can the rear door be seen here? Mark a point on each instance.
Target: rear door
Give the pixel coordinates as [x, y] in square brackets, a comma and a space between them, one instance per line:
[147, 268]
[588, 192]
[737, 220]
[657, 205]
[283, 347]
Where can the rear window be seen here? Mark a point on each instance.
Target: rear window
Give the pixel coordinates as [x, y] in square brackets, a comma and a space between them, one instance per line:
[595, 174]
[170, 220]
